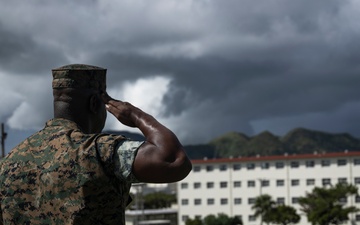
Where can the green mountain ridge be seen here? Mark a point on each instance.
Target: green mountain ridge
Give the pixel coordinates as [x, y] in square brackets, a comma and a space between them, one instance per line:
[296, 141]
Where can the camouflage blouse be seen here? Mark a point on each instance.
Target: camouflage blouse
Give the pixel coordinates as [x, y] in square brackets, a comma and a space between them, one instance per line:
[60, 175]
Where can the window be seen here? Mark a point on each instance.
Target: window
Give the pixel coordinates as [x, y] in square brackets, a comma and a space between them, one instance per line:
[342, 180]
[223, 167]
[295, 200]
[196, 168]
[210, 201]
[209, 168]
[250, 166]
[184, 201]
[223, 184]
[252, 218]
[280, 183]
[326, 181]
[357, 161]
[236, 166]
[265, 183]
[357, 180]
[223, 201]
[237, 201]
[310, 182]
[341, 162]
[184, 185]
[343, 200]
[294, 164]
[251, 183]
[237, 183]
[325, 163]
[265, 165]
[295, 182]
[197, 185]
[310, 163]
[357, 217]
[280, 201]
[210, 185]
[197, 201]
[279, 165]
[251, 201]
[184, 218]
[357, 199]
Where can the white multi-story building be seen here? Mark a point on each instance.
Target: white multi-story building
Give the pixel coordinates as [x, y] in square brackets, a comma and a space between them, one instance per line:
[231, 185]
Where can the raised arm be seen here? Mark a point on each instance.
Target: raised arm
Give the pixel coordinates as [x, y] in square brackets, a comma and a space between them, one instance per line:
[161, 159]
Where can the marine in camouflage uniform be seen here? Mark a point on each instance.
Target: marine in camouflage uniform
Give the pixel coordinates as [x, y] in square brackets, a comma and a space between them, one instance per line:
[61, 175]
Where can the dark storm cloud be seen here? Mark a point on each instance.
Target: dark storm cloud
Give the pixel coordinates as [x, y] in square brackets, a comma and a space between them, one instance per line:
[234, 65]
[20, 54]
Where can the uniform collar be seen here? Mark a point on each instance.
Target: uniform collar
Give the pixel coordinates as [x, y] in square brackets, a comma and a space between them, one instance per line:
[62, 122]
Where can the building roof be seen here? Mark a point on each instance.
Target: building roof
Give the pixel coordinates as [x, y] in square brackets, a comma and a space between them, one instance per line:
[151, 211]
[156, 222]
[278, 157]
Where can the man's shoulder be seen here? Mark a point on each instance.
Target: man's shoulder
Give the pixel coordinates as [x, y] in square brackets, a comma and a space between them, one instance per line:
[107, 141]
[105, 137]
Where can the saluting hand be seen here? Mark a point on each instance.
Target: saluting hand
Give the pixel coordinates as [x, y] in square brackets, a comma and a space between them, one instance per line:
[123, 111]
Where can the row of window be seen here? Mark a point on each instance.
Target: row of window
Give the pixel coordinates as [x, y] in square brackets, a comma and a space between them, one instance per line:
[266, 183]
[250, 201]
[251, 218]
[277, 165]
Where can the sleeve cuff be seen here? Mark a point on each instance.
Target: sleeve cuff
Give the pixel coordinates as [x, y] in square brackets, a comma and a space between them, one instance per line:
[125, 153]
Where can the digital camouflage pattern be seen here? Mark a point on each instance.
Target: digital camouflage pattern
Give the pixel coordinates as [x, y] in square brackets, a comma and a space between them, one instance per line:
[79, 76]
[60, 175]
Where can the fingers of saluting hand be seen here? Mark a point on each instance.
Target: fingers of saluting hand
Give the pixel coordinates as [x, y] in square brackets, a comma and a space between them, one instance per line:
[109, 100]
[118, 108]
[122, 111]
[106, 98]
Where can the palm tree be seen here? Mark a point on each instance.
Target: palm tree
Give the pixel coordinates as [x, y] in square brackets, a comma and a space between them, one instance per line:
[263, 207]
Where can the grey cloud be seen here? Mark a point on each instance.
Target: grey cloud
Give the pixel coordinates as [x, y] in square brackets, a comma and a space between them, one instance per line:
[235, 62]
[20, 54]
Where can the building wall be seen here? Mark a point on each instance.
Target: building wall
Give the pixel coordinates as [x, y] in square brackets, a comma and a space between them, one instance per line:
[230, 185]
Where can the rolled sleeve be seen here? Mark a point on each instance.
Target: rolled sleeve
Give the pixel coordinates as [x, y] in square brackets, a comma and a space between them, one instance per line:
[125, 153]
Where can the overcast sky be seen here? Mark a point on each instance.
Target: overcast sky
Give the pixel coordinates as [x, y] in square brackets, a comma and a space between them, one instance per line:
[202, 67]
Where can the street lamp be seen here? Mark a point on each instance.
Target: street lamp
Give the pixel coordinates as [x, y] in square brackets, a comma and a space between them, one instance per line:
[261, 180]
[3, 137]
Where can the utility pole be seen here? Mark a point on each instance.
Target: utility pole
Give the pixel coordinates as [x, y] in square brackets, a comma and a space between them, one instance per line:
[3, 137]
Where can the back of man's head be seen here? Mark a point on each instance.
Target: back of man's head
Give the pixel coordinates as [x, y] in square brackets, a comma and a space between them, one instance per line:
[73, 86]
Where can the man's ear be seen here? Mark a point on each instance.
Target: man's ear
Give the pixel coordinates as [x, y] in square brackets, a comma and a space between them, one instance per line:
[94, 103]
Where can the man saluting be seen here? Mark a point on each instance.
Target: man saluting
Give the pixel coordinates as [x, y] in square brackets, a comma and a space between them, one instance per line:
[71, 173]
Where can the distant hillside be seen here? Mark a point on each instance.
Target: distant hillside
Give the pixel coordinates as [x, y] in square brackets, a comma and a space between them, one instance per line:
[301, 140]
[297, 141]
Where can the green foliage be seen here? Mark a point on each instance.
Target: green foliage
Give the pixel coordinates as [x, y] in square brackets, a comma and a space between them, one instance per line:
[322, 206]
[158, 200]
[283, 214]
[235, 221]
[210, 220]
[195, 221]
[269, 212]
[230, 144]
[220, 219]
[263, 206]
